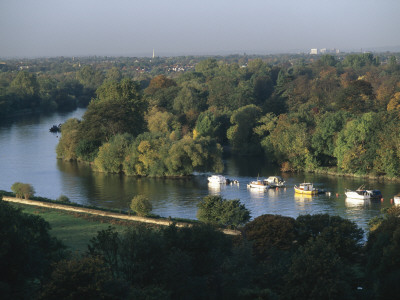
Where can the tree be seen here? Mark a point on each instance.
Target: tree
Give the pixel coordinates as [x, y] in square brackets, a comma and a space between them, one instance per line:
[114, 74]
[270, 232]
[207, 67]
[323, 140]
[83, 278]
[159, 82]
[240, 134]
[89, 77]
[67, 146]
[383, 259]
[344, 236]
[357, 144]
[192, 96]
[23, 190]
[119, 109]
[141, 205]
[26, 87]
[357, 97]
[159, 121]
[26, 252]
[218, 211]
[112, 154]
[317, 272]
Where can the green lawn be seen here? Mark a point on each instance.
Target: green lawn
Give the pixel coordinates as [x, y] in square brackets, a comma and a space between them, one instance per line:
[74, 230]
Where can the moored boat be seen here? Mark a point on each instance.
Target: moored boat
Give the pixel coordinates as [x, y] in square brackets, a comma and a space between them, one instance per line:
[275, 181]
[358, 194]
[217, 179]
[306, 188]
[258, 184]
[363, 194]
[396, 199]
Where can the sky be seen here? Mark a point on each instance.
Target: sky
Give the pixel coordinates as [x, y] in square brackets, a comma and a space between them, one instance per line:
[43, 28]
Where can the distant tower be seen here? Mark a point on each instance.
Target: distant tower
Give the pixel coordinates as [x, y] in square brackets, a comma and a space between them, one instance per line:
[153, 53]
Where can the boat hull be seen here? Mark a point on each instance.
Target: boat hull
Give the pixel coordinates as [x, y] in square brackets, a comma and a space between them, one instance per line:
[355, 195]
[300, 191]
[217, 179]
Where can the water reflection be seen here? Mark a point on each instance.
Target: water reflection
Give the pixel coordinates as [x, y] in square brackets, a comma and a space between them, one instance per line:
[28, 155]
[351, 202]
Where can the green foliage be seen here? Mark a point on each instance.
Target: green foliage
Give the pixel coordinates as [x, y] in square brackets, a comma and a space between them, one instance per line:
[118, 109]
[192, 96]
[357, 144]
[141, 205]
[66, 147]
[79, 278]
[317, 272]
[218, 211]
[289, 141]
[325, 135]
[187, 263]
[343, 235]
[159, 155]
[383, 259]
[87, 150]
[112, 154]
[26, 252]
[161, 121]
[240, 134]
[89, 77]
[23, 190]
[63, 198]
[269, 233]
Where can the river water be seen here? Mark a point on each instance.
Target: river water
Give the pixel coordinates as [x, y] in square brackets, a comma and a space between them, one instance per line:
[27, 154]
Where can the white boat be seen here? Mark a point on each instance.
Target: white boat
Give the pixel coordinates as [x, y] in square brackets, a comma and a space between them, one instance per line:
[259, 185]
[358, 194]
[275, 181]
[363, 194]
[217, 179]
[396, 199]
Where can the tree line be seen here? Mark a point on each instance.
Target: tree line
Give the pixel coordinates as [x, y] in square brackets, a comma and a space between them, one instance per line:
[275, 257]
[331, 114]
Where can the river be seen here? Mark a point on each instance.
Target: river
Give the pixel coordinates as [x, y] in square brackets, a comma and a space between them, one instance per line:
[27, 154]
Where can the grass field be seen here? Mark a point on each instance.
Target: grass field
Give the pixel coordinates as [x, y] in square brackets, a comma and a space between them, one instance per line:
[74, 229]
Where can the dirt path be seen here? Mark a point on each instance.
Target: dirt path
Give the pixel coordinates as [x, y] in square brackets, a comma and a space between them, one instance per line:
[91, 211]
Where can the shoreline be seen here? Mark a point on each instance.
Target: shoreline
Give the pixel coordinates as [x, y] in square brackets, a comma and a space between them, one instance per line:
[108, 214]
[380, 178]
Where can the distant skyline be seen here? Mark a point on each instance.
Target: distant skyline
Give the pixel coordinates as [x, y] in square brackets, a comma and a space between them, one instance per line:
[40, 28]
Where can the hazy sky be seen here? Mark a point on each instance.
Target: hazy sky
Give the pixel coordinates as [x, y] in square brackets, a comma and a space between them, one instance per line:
[30, 28]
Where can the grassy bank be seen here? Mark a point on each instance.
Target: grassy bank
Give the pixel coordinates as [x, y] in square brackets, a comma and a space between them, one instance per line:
[75, 229]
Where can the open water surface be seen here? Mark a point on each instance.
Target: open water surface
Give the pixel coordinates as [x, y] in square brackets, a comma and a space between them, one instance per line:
[27, 154]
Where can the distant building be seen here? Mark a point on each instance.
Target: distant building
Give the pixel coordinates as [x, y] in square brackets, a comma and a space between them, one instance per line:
[324, 51]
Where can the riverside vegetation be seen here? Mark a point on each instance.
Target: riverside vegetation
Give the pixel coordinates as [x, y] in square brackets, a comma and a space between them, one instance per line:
[270, 260]
[324, 113]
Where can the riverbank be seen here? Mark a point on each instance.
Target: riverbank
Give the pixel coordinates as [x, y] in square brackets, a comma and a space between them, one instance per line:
[107, 214]
[332, 172]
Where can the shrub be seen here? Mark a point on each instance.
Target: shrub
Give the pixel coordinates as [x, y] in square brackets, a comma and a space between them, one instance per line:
[218, 211]
[23, 190]
[141, 205]
[63, 198]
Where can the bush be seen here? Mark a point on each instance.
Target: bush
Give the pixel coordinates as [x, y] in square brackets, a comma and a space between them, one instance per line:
[141, 205]
[268, 232]
[217, 211]
[23, 190]
[63, 198]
